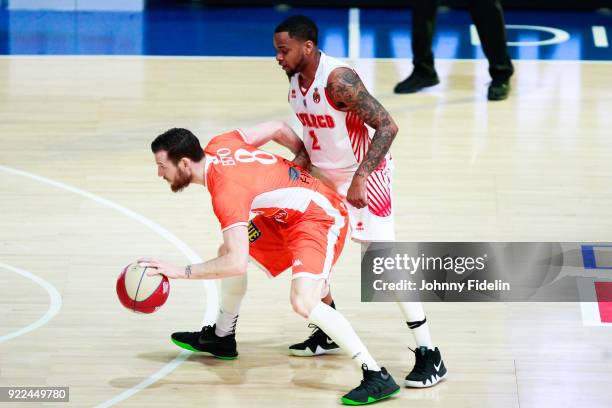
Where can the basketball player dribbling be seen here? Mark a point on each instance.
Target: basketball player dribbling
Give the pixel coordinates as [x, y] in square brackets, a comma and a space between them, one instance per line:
[347, 134]
[300, 224]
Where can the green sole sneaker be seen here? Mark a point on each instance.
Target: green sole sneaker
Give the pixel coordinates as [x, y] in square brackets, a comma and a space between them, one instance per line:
[371, 400]
[190, 348]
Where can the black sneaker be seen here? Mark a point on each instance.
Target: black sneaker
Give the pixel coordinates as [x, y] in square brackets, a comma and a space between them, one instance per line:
[318, 343]
[375, 386]
[428, 369]
[498, 90]
[415, 82]
[208, 342]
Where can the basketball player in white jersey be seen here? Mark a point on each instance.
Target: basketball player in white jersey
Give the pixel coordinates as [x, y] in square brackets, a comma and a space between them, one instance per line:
[347, 134]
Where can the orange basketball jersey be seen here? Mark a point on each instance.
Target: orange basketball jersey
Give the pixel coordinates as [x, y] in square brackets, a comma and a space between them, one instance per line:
[243, 179]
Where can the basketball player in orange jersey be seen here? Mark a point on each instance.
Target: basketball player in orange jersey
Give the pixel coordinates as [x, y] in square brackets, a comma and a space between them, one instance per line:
[347, 134]
[300, 224]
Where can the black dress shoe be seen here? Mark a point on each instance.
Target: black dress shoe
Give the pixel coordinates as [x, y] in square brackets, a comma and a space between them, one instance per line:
[498, 90]
[415, 82]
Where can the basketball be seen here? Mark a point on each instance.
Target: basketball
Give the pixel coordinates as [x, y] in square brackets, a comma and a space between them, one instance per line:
[139, 292]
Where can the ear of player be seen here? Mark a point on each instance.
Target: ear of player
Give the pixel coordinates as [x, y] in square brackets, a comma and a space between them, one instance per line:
[140, 292]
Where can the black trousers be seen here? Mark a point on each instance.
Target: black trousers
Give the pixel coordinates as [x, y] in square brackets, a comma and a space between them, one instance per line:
[488, 18]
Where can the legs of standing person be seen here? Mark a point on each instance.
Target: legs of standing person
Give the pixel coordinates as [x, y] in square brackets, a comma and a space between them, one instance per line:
[414, 315]
[306, 294]
[423, 27]
[317, 242]
[220, 338]
[428, 368]
[232, 293]
[377, 223]
[319, 342]
[377, 384]
[488, 17]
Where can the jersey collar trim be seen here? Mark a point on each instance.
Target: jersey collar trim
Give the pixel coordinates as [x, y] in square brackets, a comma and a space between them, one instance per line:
[207, 162]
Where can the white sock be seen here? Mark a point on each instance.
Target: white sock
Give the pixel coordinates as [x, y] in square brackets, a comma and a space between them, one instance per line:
[226, 323]
[340, 330]
[232, 292]
[415, 317]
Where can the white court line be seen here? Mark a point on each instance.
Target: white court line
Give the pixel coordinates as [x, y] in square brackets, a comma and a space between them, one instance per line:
[589, 309]
[590, 314]
[354, 31]
[159, 374]
[559, 36]
[600, 38]
[55, 302]
[474, 38]
[209, 286]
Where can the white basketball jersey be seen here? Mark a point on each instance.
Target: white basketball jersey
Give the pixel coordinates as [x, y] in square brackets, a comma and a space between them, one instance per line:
[337, 142]
[334, 139]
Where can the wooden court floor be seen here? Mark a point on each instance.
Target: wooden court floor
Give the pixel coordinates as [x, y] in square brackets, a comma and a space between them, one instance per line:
[79, 199]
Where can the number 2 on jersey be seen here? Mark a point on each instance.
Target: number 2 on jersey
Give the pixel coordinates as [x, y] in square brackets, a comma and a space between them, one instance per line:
[315, 140]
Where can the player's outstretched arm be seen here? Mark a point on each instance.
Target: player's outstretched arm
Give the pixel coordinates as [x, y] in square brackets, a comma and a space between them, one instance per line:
[278, 131]
[233, 262]
[281, 133]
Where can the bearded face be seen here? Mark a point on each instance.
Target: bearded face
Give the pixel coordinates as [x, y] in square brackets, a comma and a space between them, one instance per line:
[181, 179]
[289, 53]
[178, 176]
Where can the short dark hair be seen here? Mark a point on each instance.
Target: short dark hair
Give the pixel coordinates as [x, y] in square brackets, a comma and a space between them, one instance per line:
[178, 143]
[299, 27]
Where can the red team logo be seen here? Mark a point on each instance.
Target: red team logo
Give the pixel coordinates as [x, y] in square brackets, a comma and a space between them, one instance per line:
[281, 216]
[316, 96]
[293, 95]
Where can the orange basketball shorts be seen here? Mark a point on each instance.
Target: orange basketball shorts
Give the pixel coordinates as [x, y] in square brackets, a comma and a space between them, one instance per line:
[310, 245]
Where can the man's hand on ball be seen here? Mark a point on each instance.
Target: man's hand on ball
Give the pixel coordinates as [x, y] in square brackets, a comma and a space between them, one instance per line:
[156, 267]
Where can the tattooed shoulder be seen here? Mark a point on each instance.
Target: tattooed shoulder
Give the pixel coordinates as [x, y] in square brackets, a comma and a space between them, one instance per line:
[343, 87]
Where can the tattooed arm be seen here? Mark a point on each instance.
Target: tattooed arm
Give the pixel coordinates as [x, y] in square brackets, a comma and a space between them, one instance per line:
[348, 93]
